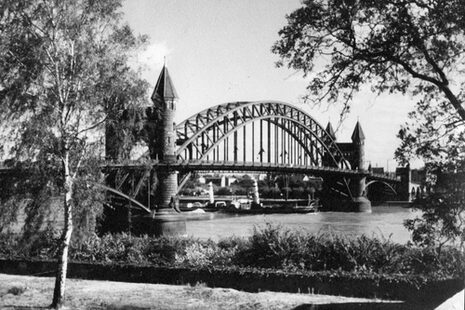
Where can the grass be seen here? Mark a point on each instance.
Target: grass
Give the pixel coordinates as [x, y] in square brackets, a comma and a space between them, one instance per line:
[106, 295]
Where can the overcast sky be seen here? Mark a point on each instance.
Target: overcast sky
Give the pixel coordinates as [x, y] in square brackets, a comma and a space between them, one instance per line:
[219, 51]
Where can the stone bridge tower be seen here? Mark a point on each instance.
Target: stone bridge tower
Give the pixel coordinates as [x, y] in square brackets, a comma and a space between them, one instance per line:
[167, 220]
[360, 202]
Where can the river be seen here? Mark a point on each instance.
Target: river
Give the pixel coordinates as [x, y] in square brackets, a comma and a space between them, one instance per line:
[384, 222]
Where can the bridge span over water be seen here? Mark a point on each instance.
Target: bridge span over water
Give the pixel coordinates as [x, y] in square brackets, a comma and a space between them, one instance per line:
[259, 136]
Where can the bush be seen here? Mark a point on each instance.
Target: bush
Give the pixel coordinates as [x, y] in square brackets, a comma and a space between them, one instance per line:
[109, 248]
[8, 245]
[269, 247]
[279, 248]
[129, 249]
[205, 255]
[41, 245]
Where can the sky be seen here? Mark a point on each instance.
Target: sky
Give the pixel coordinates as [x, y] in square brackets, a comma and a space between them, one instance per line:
[219, 51]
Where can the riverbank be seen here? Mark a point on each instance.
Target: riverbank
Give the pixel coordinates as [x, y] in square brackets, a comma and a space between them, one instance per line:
[273, 258]
[19, 292]
[413, 292]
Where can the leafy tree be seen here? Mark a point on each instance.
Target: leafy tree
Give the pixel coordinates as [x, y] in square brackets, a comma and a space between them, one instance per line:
[64, 68]
[442, 220]
[430, 136]
[413, 47]
[406, 46]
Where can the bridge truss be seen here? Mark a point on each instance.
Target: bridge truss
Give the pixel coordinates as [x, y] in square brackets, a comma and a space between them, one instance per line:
[262, 131]
[262, 136]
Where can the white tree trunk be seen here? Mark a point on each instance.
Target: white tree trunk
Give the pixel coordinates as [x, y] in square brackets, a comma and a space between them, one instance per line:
[59, 292]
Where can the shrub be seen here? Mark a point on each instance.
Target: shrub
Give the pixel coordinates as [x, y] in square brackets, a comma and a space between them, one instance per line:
[269, 247]
[8, 245]
[109, 248]
[163, 250]
[280, 248]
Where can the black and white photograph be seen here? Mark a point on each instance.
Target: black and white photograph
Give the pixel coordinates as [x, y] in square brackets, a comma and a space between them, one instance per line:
[232, 154]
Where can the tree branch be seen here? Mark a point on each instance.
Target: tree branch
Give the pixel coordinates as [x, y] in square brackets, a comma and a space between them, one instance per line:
[93, 126]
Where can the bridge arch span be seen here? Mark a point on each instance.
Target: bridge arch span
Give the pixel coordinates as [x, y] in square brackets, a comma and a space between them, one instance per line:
[283, 129]
[386, 184]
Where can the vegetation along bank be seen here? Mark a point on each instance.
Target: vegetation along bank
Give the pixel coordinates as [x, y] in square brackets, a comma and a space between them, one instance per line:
[273, 258]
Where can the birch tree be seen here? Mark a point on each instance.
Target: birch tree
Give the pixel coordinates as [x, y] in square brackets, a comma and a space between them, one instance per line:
[64, 67]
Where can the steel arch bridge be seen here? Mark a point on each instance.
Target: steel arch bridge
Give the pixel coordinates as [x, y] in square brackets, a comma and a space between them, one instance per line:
[259, 136]
[268, 131]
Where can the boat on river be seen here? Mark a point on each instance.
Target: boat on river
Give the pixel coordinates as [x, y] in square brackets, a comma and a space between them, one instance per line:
[246, 206]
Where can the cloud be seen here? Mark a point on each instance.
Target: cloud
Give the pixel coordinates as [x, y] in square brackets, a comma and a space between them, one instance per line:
[151, 59]
[153, 55]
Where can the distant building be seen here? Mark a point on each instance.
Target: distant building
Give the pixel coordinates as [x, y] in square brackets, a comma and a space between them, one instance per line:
[219, 180]
[377, 170]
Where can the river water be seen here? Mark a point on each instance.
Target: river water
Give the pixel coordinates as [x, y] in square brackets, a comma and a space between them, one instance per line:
[383, 222]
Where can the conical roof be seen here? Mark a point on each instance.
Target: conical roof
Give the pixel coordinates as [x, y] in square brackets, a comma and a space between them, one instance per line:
[357, 135]
[164, 89]
[330, 131]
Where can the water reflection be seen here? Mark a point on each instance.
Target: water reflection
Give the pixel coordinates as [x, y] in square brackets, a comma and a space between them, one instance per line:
[383, 222]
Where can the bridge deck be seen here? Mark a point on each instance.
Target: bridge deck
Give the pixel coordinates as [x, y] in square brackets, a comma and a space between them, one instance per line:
[202, 165]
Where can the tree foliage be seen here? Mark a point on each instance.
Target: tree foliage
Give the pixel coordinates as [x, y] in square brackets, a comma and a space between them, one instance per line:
[407, 46]
[443, 211]
[413, 47]
[64, 72]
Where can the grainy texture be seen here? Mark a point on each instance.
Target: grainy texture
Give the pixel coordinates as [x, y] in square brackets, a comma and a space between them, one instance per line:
[36, 293]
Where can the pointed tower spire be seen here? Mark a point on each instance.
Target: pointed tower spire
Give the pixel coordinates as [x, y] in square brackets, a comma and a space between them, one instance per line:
[357, 135]
[165, 98]
[330, 131]
[164, 89]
